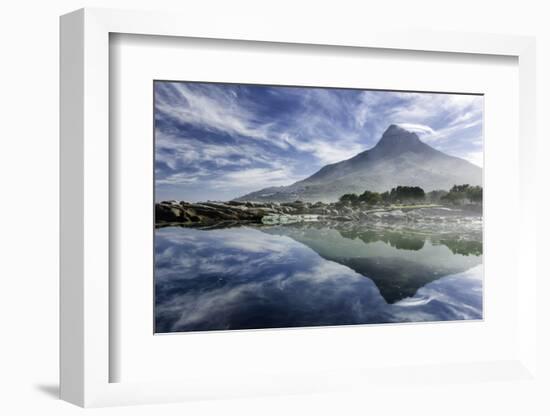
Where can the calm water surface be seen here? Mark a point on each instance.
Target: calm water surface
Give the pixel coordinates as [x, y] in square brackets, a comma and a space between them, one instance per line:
[311, 275]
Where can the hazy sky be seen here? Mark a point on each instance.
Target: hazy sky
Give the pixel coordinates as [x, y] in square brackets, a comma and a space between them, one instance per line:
[221, 141]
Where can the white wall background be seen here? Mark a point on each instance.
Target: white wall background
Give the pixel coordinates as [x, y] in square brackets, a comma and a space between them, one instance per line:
[29, 57]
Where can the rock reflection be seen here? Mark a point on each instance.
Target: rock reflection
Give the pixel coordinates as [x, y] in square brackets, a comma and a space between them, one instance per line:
[395, 239]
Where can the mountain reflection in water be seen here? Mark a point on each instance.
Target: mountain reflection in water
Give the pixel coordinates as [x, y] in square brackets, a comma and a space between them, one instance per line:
[311, 275]
[382, 255]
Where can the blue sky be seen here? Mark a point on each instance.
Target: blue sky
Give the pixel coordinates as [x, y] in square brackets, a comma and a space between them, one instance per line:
[221, 141]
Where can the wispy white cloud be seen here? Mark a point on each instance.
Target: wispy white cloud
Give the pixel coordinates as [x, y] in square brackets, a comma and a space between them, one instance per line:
[327, 151]
[211, 108]
[418, 128]
[178, 179]
[256, 178]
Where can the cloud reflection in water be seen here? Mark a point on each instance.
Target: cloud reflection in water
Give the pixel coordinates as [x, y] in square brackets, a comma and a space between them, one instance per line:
[244, 278]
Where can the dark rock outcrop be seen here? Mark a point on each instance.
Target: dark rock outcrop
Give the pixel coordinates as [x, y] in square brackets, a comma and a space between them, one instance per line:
[208, 214]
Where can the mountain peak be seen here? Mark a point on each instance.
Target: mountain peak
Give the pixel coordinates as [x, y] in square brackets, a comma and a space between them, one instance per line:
[397, 133]
[394, 129]
[396, 140]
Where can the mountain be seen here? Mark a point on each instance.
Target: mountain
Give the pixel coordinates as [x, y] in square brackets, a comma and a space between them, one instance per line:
[399, 158]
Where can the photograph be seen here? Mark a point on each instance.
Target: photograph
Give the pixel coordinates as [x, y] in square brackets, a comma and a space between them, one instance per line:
[308, 206]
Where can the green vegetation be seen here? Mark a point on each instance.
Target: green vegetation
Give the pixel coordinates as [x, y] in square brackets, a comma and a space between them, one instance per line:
[371, 198]
[457, 195]
[464, 247]
[367, 197]
[435, 196]
[352, 199]
[407, 193]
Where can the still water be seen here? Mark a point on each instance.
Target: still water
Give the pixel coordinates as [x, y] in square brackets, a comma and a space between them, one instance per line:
[311, 275]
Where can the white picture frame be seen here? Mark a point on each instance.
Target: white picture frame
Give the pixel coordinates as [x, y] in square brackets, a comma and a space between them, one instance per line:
[85, 210]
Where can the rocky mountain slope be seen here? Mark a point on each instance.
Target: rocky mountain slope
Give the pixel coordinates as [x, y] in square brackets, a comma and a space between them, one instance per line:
[399, 158]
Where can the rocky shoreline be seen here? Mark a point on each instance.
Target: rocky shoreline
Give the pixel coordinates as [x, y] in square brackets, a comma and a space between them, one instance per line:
[204, 214]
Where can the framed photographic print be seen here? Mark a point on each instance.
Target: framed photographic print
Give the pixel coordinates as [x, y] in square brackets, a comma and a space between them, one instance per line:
[268, 212]
[280, 206]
